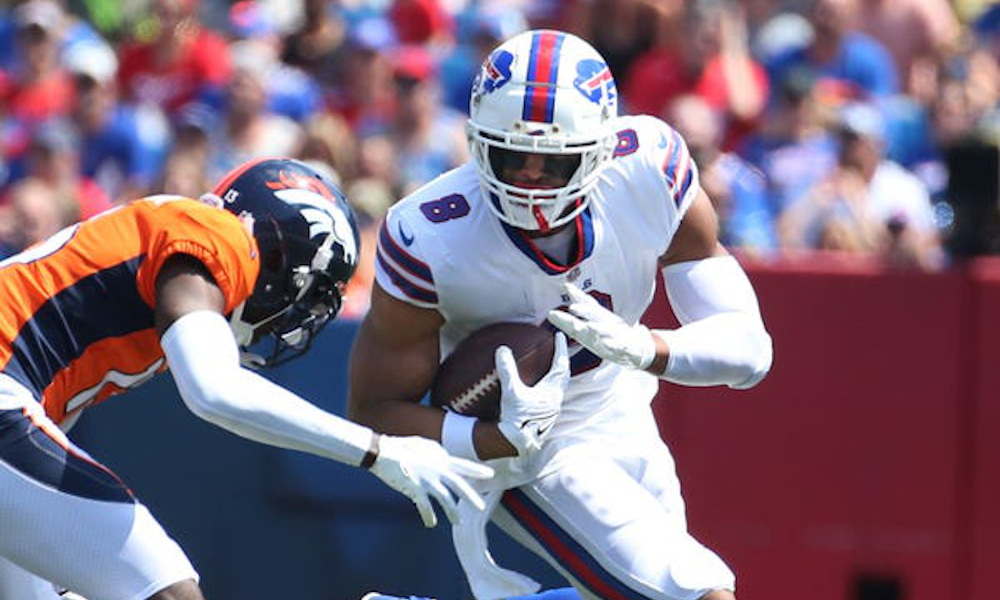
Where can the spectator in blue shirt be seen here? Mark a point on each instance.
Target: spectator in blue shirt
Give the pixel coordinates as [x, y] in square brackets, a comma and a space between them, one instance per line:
[291, 92]
[122, 147]
[737, 188]
[793, 148]
[481, 28]
[848, 63]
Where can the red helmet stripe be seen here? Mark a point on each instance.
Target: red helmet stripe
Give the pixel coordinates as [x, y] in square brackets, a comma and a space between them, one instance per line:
[543, 73]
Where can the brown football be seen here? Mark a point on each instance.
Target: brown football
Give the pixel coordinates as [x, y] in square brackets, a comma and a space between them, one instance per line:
[467, 382]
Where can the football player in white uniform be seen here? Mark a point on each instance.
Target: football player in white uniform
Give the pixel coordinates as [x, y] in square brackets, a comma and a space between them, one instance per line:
[565, 214]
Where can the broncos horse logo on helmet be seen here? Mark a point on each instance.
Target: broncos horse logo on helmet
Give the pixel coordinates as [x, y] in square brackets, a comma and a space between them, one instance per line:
[308, 242]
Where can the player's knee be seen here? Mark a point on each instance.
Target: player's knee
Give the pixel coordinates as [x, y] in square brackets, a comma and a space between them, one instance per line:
[182, 590]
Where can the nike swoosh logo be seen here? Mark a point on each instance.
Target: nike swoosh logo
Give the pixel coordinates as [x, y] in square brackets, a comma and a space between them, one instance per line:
[663, 141]
[407, 240]
[543, 426]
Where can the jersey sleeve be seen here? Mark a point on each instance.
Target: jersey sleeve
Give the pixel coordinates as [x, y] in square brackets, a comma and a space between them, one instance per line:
[670, 163]
[399, 268]
[213, 236]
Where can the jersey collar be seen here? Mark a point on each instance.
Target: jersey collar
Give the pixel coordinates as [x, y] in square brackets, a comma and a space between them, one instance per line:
[584, 244]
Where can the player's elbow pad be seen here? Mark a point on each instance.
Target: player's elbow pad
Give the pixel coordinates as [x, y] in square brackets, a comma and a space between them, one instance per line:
[730, 349]
[723, 340]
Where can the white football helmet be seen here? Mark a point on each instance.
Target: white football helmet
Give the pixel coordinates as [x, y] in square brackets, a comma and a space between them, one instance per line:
[544, 92]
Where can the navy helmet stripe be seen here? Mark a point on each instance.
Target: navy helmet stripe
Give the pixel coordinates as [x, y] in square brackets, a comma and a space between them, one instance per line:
[103, 305]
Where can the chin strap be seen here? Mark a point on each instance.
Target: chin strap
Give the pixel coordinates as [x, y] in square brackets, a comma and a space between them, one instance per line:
[252, 361]
[243, 334]
[241, 330]
[543, 225]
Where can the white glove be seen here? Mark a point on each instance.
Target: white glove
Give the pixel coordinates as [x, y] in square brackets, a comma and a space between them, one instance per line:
[418, 467]
[528, 413]
[603, 332]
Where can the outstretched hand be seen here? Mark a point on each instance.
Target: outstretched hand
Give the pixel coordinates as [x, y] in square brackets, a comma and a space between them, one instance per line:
[603, 332]
[421, 468]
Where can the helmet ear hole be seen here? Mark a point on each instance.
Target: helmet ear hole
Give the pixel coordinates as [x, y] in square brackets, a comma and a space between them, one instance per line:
[272, 261]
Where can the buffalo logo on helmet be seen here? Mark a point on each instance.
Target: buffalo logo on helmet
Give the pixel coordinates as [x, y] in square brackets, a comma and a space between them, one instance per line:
[594, 80]
[496, 71]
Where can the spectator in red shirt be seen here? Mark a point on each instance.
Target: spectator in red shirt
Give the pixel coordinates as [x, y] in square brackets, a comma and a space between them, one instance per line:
[183, 60]
[366, 97]
[705, 54]
[421, 22]
[39, 88]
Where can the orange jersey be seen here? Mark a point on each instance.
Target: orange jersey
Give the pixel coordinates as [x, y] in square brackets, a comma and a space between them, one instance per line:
[76, 324]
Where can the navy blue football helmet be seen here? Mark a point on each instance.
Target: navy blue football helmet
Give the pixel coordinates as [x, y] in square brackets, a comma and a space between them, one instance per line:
[309, 244]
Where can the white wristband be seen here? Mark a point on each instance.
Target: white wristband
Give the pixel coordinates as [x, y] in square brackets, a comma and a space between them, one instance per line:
[456, 435]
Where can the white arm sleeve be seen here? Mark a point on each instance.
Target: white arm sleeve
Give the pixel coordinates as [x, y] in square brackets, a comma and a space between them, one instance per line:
[722, 339]
[205, 362]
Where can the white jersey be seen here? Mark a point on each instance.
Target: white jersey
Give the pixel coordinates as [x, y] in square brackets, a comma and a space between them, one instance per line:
[443, 248]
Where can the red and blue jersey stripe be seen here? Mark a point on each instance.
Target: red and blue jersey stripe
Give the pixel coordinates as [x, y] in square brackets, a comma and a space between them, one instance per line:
[543, 72]
[408, 273]
[568, 552]
[678, 167]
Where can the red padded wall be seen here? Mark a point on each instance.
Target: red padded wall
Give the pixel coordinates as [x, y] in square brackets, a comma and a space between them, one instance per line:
[978, 550]
[846, 461]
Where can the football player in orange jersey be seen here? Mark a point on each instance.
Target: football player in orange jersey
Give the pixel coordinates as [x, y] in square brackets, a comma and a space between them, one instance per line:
[104, 305]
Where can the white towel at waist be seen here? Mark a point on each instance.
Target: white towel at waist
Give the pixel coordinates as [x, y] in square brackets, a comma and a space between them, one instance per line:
[488, 580]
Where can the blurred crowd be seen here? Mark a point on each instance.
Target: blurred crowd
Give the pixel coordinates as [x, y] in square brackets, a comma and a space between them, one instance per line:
[864, 128]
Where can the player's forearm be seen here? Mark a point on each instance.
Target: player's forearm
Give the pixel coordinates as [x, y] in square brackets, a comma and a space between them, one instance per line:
[397, 417]
[389, 403]
[267, 413]
[204, 361]
[407, 418]
[491, 443]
